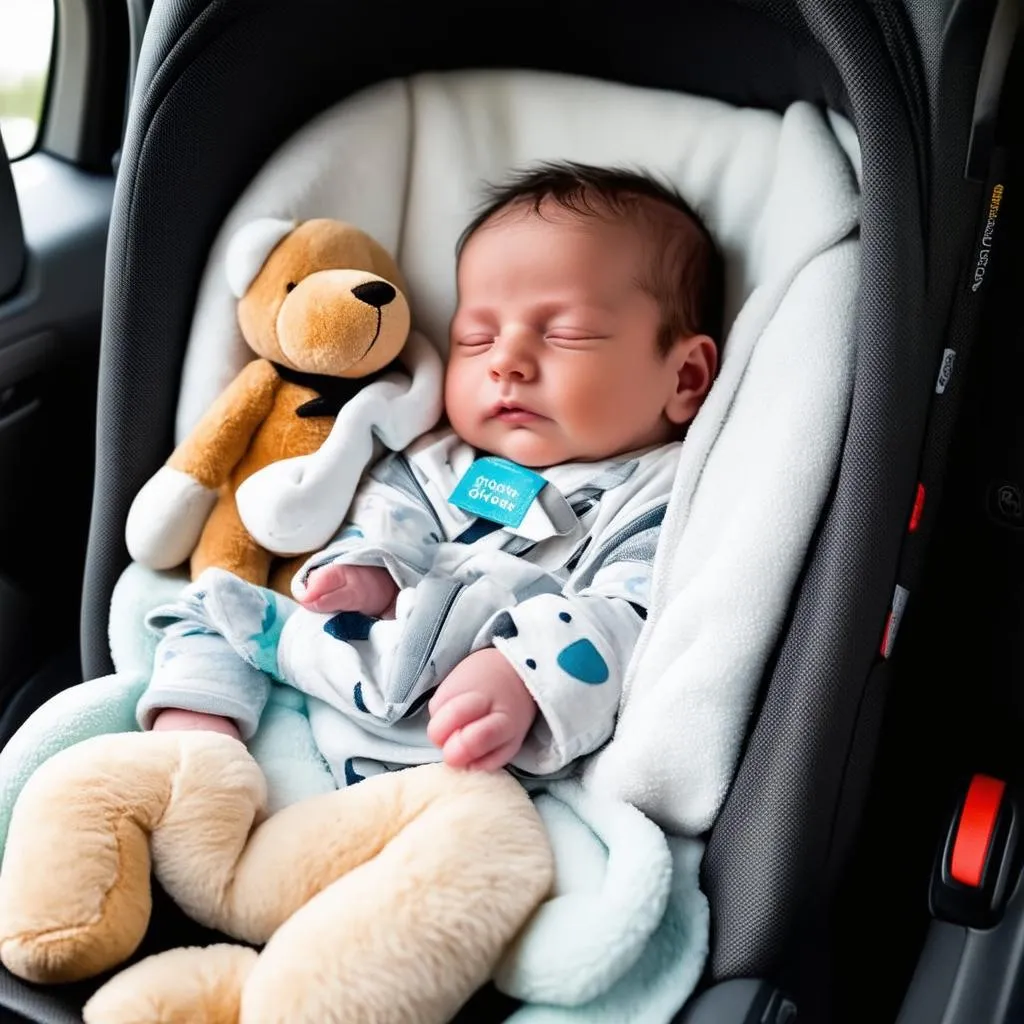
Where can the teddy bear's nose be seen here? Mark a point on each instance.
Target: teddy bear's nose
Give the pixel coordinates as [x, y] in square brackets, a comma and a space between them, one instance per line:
[374, 293]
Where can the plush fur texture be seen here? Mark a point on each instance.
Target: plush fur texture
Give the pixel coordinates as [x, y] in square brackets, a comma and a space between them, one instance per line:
[392, 900]
[75, 889]
[302, 312]
[195, 985]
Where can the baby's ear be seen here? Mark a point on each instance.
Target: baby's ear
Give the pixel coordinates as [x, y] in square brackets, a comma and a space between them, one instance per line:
[694, 362]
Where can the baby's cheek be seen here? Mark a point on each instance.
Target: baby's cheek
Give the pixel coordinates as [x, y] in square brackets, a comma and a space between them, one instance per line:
[590, 399]
[451, 383]
[459, 399]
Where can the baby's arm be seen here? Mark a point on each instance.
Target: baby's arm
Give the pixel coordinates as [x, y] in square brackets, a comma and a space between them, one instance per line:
[386, 543]
[567, 652]
[548, 691]
[200, 679]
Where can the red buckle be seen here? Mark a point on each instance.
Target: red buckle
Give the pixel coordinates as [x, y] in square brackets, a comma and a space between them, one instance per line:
[974, 831]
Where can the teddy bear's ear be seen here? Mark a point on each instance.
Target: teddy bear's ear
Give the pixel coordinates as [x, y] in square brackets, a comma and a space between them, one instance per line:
[249, 248]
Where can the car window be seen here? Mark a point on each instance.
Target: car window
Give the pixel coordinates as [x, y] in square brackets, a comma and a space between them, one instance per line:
[26, 44]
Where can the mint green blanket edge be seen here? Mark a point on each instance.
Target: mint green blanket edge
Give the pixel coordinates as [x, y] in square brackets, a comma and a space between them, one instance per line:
[96, 708]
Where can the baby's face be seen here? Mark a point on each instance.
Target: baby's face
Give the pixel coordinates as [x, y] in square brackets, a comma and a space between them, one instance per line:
[553, 349]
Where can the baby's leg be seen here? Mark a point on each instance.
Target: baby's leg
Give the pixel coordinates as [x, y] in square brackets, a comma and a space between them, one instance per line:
[218, 646]
[197, 671]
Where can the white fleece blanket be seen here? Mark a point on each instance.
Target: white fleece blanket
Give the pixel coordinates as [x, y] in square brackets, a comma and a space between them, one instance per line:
[753, 477]
[405, 159]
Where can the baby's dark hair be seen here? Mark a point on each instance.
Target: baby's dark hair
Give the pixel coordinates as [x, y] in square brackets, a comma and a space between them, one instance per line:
[686, 274]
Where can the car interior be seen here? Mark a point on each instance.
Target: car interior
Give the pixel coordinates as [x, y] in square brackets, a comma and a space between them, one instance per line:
[865, 860]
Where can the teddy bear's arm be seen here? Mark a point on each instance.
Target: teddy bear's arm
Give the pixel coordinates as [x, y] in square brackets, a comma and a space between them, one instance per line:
[221, 437]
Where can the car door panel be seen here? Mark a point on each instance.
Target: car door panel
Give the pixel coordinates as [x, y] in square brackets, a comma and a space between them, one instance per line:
[49, 347]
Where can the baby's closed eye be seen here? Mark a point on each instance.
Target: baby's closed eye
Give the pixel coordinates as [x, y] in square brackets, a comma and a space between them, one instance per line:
[478, 340]
[568, 337]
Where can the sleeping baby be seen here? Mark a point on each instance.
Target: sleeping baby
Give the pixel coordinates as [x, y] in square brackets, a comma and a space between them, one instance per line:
[485, 594]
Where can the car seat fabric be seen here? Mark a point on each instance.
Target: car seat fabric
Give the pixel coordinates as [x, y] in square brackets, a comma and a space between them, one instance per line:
[780, 194]
[882, 65]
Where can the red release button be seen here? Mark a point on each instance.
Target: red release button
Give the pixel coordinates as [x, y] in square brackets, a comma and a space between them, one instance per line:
[974, 833]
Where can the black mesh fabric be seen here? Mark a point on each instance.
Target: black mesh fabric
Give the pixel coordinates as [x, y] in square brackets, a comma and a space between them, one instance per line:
[221, 84]
[786, 791]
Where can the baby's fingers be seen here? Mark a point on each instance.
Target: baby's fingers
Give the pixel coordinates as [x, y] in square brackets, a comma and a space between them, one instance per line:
[454, 714]
[482, 744]
[497, 759]
[325, 586]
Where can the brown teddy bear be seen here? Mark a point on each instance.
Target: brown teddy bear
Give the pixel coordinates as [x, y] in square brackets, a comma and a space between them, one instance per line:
[322, 305]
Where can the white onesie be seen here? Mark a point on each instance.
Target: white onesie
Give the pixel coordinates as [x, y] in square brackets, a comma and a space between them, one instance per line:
[562, 595]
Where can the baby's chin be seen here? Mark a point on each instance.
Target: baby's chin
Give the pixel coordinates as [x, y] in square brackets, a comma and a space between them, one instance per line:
[523, 446]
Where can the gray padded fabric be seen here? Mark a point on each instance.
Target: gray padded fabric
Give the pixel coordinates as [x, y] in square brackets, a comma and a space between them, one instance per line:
[788, 785]
[785, 828]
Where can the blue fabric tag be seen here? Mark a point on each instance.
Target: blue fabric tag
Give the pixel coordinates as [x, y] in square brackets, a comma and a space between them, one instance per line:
[496, 489]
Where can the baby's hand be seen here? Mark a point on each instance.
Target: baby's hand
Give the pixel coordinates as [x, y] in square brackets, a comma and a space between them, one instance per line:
[351, 588]
[481, 713]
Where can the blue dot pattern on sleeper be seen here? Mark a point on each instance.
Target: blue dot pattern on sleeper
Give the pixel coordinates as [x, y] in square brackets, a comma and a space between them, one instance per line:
[582, 660]
[349, 626]
[357, 698]
[351, 775]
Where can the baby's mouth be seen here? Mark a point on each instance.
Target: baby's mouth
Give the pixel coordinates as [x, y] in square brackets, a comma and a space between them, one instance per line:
[510, 412]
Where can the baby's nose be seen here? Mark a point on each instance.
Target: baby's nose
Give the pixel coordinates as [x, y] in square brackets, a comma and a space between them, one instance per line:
[374, 293]
[508, 365]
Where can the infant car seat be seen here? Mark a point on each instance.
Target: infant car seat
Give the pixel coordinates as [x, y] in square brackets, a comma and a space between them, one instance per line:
[220, 84]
